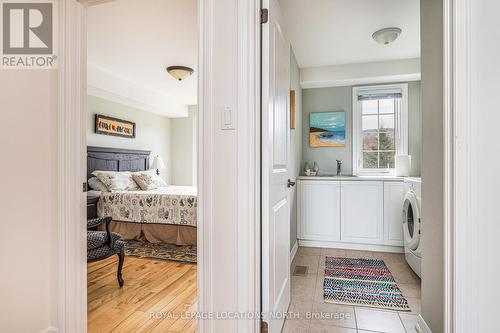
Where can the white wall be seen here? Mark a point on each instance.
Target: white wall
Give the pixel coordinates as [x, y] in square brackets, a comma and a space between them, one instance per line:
[224, 159]
[485, 162]
[184, 150]
[28, 228]
[432, 163]
[153, 131]
[296, 143]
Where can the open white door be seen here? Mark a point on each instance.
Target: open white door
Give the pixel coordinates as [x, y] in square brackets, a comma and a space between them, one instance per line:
[275, 169]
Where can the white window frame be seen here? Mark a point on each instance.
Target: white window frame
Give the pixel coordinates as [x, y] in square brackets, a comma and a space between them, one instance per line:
[401, 128]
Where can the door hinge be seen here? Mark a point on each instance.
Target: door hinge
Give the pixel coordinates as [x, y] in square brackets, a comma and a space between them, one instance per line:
[84, 187]
[264, 15]
[264, 328]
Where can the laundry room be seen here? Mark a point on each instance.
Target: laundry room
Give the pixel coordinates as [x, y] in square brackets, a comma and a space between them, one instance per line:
[356, 145]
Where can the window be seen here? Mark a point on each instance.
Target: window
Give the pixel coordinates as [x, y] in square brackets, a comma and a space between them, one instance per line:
[380, 128]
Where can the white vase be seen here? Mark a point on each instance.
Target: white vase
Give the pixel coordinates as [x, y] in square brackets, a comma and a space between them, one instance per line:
[307, 168]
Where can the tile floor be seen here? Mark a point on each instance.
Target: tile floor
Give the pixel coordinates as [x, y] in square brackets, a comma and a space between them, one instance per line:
[317, 316]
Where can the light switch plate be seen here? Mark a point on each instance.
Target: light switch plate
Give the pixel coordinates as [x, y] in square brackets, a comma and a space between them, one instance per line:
[228, 118]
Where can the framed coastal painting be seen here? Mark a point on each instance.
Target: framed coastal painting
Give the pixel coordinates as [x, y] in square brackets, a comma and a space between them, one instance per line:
[113, 126]
[327, 129]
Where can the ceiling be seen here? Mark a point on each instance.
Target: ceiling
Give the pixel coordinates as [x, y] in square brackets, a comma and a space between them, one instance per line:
[130, 44]
[338, 32]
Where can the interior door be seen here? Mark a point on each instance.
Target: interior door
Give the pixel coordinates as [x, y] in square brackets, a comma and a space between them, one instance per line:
[275, 169]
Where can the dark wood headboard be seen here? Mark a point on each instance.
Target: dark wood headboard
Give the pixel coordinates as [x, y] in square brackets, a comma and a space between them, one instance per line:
[116, 159]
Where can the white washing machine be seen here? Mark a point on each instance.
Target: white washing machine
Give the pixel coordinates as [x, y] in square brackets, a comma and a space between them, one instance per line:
[412, 223]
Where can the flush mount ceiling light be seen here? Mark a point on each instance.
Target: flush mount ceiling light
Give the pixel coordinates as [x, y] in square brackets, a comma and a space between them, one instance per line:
[179, 72]
[387, 35]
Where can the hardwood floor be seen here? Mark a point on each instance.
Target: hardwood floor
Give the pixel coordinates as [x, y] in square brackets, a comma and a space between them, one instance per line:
[157, 296]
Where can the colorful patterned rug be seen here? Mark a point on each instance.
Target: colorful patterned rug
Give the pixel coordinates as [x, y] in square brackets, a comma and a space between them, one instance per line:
[365, 282]
[161, 251]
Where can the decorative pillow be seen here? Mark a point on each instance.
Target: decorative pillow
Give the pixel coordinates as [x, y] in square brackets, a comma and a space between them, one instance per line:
[148, 180]
[117, 181]
[96, 185]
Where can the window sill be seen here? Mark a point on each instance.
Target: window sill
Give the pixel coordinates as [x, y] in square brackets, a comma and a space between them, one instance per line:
[376, 174]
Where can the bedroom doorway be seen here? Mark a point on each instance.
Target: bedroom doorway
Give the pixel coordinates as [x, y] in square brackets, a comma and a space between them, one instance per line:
[141, 166]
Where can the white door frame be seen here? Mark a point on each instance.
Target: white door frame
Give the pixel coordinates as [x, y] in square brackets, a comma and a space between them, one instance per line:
[71, 247]
[459, 311]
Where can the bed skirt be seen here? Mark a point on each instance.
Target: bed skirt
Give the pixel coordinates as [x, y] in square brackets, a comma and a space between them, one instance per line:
[155, 233]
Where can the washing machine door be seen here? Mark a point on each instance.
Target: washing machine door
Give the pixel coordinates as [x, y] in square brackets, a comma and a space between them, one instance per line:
[411, 221]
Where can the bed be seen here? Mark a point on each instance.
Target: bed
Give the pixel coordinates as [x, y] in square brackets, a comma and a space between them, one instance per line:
[166, 214]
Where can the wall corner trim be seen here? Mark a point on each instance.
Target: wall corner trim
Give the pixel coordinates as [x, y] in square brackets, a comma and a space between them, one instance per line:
[71, 243]
[422, 326]
[293, 252]
[460, 205]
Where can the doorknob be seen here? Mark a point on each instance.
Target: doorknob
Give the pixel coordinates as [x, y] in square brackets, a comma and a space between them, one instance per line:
[290, 183]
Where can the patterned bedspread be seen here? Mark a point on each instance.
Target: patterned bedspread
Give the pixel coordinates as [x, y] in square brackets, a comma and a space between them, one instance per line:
[165, 205]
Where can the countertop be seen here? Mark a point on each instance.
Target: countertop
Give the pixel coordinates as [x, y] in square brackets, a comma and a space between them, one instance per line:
[353, 178]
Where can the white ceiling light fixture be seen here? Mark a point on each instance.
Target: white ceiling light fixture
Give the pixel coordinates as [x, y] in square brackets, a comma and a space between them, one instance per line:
[387, 35]
[180, 72]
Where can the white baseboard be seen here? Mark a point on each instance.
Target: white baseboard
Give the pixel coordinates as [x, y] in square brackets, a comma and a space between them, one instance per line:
[50, 329]
[293, 252]
[352, 246]
[421, 326]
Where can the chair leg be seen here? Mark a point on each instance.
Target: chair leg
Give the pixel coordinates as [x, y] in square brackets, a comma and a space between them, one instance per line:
[121, 258]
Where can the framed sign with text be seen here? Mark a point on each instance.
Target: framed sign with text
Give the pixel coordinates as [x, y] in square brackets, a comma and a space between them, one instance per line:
[113, 126]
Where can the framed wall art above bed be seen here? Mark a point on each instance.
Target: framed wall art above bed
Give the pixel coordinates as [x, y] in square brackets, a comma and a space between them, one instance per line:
[114, 126]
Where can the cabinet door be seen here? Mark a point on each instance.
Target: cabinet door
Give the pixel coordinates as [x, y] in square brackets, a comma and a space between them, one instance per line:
[362, 212]
[394, 193]
[319, 210]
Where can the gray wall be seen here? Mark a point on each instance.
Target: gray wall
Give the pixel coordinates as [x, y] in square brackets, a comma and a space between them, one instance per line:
[340, 99]
[296, 143]
[432, 163]
[184, 149]
[153, 131]
[415, 127]
[327, 99]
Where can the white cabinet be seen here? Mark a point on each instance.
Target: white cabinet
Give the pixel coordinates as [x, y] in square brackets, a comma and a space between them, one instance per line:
[362, 216]
[393, 213]
[319, 205]
[357, 214]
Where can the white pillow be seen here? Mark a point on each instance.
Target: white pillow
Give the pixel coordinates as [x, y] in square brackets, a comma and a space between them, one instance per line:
[117, 181]
[148, 180]
[96, 185]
